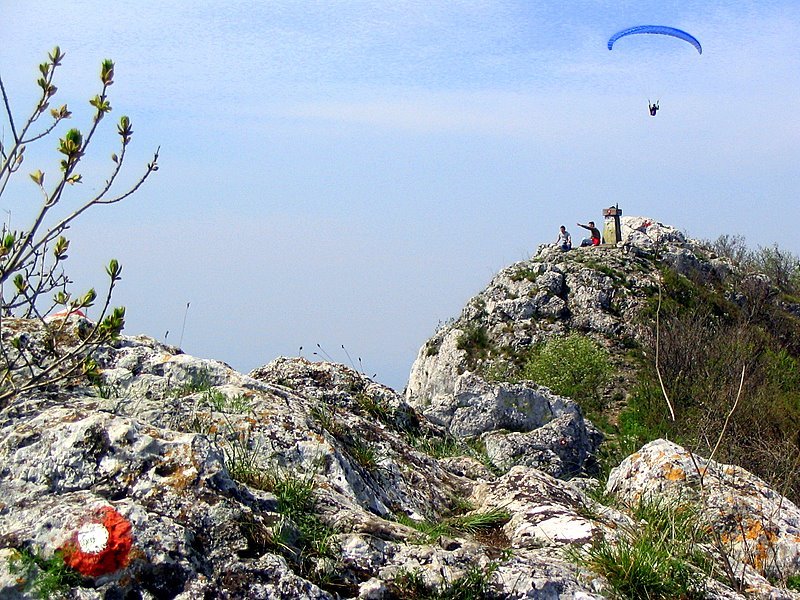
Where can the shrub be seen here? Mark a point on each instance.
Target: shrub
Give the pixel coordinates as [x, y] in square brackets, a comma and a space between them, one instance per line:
[782, 267]
[32, 258]
[573, 366]
[703, 344]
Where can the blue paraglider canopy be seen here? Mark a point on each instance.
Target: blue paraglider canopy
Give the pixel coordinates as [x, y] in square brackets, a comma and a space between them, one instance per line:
[657, 29]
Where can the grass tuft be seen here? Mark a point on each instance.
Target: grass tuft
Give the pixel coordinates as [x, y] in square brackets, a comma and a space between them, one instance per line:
[658, 559]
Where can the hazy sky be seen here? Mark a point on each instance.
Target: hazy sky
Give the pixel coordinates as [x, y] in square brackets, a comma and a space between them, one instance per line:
[350, 173]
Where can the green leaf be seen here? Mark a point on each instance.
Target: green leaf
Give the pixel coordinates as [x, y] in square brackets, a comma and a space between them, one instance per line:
[88, 298]
[38, 177]
[56, 56]
[107, 72]
[71, 143]
[101, 104]
[62, 112]
[61, 247]
[113, 324]
[61, 298]
[124, 129]
[114, 270]
[20, 283]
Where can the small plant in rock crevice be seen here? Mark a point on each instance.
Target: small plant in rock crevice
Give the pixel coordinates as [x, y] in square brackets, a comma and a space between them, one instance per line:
[472, 585]
[471, 523]
[374, 406]
[325, 416]
[362, 452]
[474, 340]
[525, 274]
[199, 381]
[438, 446]
[302, 537]
[223, 403]
[793, 583]
[45, 578]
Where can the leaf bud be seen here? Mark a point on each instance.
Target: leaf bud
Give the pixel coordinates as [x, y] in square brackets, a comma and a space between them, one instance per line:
[114, 270]
[61, 247]
[56, 56]
[107, 71]
[88, 298]
[20, 283]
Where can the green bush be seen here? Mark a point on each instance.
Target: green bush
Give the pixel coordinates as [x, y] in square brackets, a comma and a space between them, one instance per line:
[572, 366]
[781, 266]
[704, 342]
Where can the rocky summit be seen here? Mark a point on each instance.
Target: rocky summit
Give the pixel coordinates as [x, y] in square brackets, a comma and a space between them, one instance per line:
[171, 476]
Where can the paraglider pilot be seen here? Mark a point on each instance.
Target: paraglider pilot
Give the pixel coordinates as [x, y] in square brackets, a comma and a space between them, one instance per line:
[653, 108]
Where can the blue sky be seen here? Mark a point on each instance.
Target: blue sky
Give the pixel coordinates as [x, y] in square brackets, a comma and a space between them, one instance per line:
[351, 173]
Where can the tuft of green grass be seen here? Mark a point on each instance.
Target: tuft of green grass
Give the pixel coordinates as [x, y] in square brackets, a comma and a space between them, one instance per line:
[429, 531]
[474, 340]
[241, 455]
[45, 578]
[438, 447]
[363, 453]
[479, 521]
[471, 523]
[326, 417]
[374, 407]
[304, 539]
[472, 585]
[199, 381]
[217, 400]
[793, 582]
[658, 559]
[525, 273]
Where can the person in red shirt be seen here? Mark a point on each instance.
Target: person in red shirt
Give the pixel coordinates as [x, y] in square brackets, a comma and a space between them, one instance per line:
[595, 238]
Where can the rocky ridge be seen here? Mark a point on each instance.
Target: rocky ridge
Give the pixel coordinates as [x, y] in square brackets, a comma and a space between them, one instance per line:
[199, 465]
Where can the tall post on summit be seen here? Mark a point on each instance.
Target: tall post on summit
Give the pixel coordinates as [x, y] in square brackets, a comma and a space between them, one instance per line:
[612, 230]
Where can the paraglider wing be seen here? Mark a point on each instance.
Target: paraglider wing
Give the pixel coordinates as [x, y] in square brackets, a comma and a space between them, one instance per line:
[658, 29]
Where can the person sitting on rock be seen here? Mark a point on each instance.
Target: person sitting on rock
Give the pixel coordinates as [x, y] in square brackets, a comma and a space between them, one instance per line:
[564, 239]
[594, 240]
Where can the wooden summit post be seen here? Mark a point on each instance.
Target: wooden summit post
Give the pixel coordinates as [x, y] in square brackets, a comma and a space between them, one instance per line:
[612, 230]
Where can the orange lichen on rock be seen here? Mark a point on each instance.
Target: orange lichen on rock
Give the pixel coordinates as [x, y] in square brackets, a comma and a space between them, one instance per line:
[101, 545]
[756, 540]
[674, 473]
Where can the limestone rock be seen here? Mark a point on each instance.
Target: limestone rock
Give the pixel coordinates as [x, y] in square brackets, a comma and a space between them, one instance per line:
[756, 527]
[177, 446]
[564, 447]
